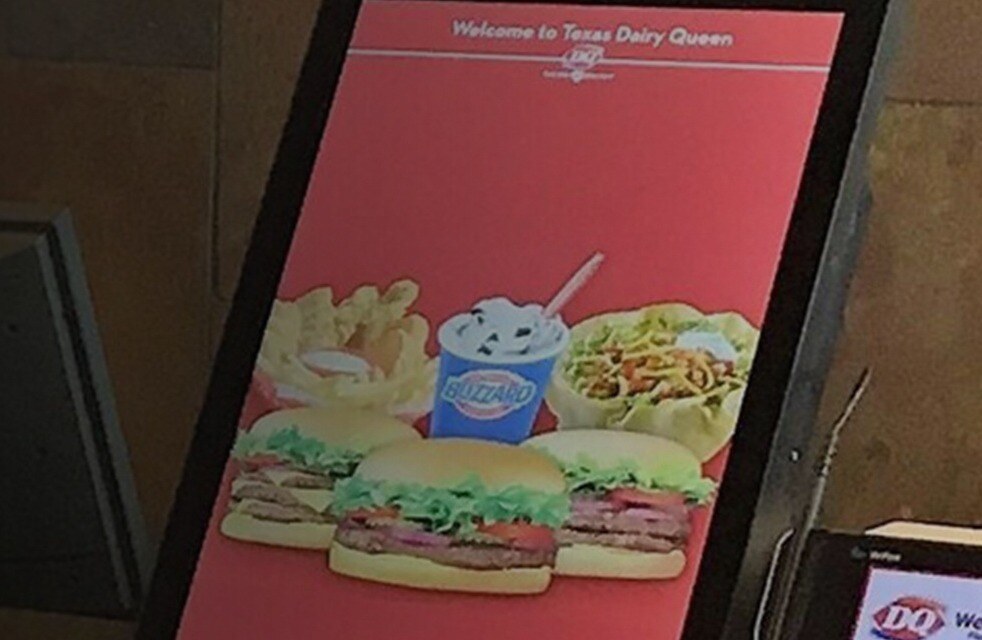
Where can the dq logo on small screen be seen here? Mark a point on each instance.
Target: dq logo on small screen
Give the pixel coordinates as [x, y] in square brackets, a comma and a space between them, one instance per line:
[909, 618]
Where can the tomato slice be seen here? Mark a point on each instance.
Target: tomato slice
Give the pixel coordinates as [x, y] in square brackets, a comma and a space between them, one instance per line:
[260, 461]
[377, 512]
[644, 498]
[520, 535]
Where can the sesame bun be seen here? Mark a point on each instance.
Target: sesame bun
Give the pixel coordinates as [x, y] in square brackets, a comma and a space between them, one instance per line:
[419, 573]
[447, 462]
[595, 561]
[297, 535]
[607, 448]
[354, 429]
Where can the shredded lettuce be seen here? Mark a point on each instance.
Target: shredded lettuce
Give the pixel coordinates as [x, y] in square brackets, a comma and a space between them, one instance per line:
[586, 475]
[304, 453]
[455, 510]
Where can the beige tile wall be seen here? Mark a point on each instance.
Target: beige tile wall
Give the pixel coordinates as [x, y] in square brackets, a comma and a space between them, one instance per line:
[162, 151]
[939, 62]
[262, 47]
[109, 107]
[915, 445]
[913, 448]
[129, 150]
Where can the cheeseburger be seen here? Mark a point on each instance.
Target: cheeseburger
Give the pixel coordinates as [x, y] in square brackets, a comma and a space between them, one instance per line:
[631, 497]
[288, 465]
[451, 515]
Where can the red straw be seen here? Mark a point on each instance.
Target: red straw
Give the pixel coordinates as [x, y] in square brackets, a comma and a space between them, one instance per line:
[573, 285]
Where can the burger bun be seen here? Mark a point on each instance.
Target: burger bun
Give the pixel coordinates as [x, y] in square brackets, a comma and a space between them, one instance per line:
[595, 561]
[446, 462]
[419, 573]
[296, 535]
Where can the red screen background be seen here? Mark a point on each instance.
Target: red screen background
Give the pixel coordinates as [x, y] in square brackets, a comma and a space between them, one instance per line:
[482, 177]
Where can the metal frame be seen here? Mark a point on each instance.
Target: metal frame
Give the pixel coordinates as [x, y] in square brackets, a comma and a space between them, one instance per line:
[54, 246]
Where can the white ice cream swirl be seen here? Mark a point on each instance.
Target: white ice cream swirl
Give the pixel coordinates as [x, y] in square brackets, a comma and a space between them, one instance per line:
[498, 327]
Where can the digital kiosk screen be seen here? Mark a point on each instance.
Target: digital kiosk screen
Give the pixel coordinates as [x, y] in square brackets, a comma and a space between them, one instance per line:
[497, 389]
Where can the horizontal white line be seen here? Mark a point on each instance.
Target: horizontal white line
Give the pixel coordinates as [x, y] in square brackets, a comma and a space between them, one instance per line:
[624, 62]
[735, 66]
[452, 55]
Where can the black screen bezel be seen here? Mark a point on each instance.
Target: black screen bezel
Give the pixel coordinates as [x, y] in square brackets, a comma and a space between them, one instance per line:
[835, 574]
[800, 264]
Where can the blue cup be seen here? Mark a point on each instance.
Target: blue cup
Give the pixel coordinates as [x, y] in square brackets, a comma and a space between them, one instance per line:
[489, 397]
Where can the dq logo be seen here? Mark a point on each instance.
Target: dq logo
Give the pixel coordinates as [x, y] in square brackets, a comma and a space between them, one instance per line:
[580, 59]
[909, 618]
[578, 64]
[583, 57]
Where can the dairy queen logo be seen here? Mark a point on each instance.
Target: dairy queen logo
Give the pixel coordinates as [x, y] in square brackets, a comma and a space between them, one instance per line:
[488, 394]
[909, 618]
[578, 64]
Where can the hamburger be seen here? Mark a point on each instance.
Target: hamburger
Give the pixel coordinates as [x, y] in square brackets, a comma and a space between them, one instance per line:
[631, 496]
[451, 515]
[289, 463]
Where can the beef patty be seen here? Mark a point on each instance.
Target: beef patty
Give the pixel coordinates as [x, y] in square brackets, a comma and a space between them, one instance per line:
[275, 504]
[632, 541]
[672, 528]
[652, 529]
[457, 554]
[298, 479]
[300, 513]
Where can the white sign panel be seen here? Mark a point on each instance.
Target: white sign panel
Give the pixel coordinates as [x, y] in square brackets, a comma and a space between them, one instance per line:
[899, 605]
